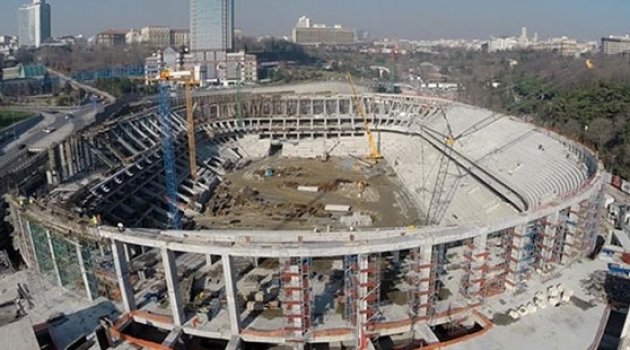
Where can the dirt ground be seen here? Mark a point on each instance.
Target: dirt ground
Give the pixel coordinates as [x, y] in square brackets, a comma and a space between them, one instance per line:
[249, 198]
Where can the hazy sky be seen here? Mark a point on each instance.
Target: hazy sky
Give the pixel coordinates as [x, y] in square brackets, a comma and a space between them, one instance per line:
[412, 19]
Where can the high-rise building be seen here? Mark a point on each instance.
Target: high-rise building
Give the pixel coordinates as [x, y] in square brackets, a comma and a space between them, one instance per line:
[616, 45]
[34, 26]
[523, 39]
[211, 25]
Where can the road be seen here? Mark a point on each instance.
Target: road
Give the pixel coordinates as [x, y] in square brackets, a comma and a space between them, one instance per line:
[37, 140]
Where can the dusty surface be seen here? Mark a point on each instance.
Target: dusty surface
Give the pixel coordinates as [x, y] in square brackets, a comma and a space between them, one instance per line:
[250, 199]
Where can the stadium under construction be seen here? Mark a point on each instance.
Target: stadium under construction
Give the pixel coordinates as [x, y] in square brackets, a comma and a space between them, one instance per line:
[291, 236]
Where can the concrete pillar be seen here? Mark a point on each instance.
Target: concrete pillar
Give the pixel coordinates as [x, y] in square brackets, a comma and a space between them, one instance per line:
[172, 284]
[69, 157]
[518, 261]
[421, 270]
[128, 254]
[35, 262]
[63, 172]
[363, 263]
[122, 273]
[549, 238]
[172, 338]
[86, 282]
[478, 267]
[52, 166]
[229, 276]
[54, 258]
[234, 343]
[396, 257]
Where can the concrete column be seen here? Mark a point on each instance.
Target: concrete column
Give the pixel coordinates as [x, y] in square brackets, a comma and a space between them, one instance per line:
[396, 257]
[549, 238]
[52, 166]
[363, 263]
[172, 284]
[122, 273]
[518, 263]
[173, 337]
[234, 343]
[229, 276]
[54, 258]
[423, 271]
[86, 282]
[478, 267]
[128, 254]
[69, 157]
[32, 243]
[63, 172]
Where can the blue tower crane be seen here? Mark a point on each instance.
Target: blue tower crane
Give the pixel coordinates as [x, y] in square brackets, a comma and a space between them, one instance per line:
[168, 150]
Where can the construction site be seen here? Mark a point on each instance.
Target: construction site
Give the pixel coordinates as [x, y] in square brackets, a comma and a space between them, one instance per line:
[310, 216]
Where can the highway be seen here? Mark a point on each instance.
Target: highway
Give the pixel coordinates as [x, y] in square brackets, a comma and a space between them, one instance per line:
[36, 140]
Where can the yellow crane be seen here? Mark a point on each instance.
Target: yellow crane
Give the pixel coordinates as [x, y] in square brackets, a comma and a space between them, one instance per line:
[187, 79]
[375, 154]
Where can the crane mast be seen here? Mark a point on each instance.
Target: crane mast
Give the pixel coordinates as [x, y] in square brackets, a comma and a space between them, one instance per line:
[374, 154]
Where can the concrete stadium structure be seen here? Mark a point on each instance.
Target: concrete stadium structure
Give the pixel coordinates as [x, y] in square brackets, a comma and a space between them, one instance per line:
[517, 203]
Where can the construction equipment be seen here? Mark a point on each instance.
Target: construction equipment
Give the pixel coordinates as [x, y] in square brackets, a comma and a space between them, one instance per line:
[189, 82]
[439, 202]
[164, 78]
[375, 153]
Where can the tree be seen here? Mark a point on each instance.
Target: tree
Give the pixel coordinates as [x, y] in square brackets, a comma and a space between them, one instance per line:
[600, 131]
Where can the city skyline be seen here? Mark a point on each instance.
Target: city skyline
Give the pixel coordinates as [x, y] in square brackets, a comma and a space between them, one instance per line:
[429, 20]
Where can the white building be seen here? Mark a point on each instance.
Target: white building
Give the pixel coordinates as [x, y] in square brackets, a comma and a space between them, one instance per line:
[34, 24]
[8, 45]
[502, 44]
[133, 37]
[303, 22]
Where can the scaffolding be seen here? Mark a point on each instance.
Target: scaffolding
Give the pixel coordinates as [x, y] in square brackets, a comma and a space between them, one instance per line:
[297, 297]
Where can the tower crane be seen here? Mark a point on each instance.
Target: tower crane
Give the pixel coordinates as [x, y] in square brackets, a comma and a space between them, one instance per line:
[168, 149]
[375, 153]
